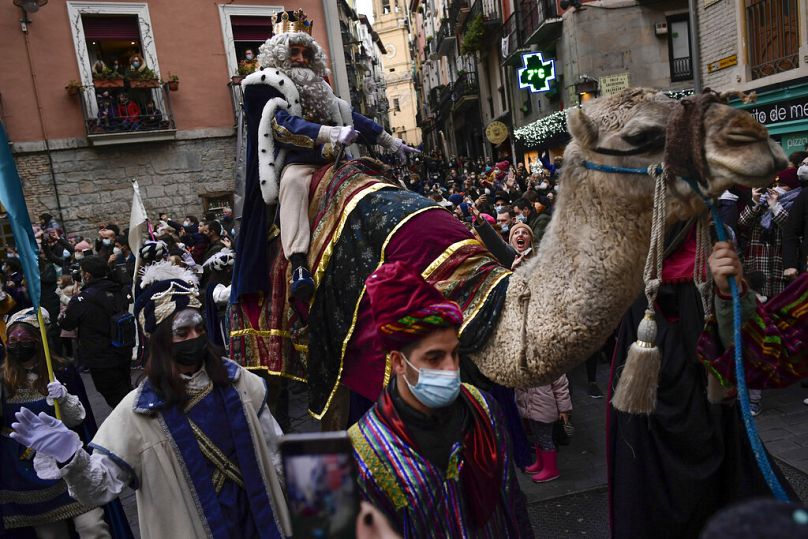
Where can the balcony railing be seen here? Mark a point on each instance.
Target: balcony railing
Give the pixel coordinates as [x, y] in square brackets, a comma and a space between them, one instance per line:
[446, 38]
[146, 116]
[510, 34]
[681, 69]
[773, 36]
[538, 20]
[491, 11]
[465, 89]
[458, 12]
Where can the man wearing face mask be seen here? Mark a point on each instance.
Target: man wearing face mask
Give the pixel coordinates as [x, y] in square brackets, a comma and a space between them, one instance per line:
[90, 312]
[196, 439]
[428, 425]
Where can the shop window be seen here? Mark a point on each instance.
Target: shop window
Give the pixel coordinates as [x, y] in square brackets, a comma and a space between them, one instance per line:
[679, 56]
[773, 35]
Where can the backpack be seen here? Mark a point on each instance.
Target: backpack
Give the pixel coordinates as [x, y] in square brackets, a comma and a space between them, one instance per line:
[122, 325]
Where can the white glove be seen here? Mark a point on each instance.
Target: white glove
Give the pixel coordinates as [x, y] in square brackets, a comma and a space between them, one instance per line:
[56, 392]
[45, 434]
[402, 149]
[344, 135]
[395, 145]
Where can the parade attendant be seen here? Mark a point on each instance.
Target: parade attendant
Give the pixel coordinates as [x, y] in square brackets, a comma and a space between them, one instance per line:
[25, 499]
[294, 123]
[195, 439]
[433, 454]
[217, 294]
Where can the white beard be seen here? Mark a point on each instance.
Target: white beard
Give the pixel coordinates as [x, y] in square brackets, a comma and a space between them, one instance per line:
[316, 97]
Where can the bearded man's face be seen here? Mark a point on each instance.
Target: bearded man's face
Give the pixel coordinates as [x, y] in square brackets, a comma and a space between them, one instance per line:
[300, 55]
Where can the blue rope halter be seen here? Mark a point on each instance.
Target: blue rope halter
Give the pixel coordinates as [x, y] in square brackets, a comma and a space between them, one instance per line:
[743, 394]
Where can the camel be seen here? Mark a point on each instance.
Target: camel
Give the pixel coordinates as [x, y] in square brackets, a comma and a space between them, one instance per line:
[588, 270]
[557, 309]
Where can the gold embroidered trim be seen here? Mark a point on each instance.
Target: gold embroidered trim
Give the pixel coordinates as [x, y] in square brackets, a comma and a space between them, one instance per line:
[452, 249]
[61, 513]
[33, 496]
[225, 468]
[473, 314]
[328, 152]
[359, 300]
[196, 397]
[285, 136]
[269, 333]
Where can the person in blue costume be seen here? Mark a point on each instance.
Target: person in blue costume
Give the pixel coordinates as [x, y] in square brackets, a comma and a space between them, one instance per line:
[294, 125]
[195, 440]
[26, 501]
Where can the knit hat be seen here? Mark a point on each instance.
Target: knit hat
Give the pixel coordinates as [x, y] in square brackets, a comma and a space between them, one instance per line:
[788, 178]
[490, 219]
[406, 308]
[220, 260]
[28, 316]
[167, 288]
[82, 246]
[519, 226]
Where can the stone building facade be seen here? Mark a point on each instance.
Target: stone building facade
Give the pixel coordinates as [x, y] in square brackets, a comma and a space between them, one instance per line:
[51, 97]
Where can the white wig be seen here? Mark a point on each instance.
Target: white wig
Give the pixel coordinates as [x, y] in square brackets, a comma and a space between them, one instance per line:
[275, 52]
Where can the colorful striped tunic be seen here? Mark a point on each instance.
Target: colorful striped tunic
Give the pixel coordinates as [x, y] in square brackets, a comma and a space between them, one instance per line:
[423, 501]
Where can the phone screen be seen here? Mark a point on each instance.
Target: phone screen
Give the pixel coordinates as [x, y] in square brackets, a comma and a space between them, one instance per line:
[320, 484]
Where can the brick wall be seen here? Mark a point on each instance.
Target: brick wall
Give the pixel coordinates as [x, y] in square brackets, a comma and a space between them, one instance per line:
[719, 39]
[95, 183]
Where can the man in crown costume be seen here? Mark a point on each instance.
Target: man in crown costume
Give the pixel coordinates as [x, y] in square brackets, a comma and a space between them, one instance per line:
[295, 124]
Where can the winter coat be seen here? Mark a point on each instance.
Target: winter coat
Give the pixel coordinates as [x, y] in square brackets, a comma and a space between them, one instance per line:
[90, 312]
[544, 403]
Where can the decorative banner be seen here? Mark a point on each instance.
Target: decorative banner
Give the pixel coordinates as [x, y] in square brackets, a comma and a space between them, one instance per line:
[496, 132]
[723, 63]
[536, 73]
[612, 84]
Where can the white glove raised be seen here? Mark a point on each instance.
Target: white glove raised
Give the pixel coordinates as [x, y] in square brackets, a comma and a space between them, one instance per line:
[45, 434]
[344, 135]
[56, 392]
[402, 149]
[395, 145]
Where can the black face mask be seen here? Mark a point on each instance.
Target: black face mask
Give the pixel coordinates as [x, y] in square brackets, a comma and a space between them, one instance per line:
[190, 352]
[21, 352]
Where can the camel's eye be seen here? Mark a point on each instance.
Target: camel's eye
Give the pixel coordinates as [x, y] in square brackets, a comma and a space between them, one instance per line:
[646, 137]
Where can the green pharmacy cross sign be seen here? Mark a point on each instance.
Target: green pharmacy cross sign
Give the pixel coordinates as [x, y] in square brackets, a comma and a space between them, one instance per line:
[536, 73]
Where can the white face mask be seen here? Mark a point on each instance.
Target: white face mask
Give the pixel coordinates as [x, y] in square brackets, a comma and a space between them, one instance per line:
[79, 256]
[802, 173]
[65, 253]
[544, 185]
[116, 251]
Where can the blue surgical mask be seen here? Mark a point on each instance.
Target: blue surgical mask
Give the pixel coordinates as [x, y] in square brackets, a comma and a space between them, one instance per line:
[136, 64]
[506, 227]
[521, 218]
[65, 253]
[498, 208]
[435, 388]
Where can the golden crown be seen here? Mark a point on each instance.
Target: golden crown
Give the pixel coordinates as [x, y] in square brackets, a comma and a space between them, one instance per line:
[291, 21]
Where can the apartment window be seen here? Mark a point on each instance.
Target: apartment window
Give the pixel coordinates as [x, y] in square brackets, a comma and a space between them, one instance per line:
[679, 55]
[773, 35]
[385, 6]
[396, 105]
[243, 28]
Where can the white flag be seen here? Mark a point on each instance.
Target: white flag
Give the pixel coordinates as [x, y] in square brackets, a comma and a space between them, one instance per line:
[138, 227]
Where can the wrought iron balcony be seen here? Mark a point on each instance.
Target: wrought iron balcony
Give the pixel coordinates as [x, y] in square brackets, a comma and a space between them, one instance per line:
[458, 13]
[681, 69]
[773, 35]
[490, 10]
[446, 38]
[465, 90]
[146, 116]
[540, 21]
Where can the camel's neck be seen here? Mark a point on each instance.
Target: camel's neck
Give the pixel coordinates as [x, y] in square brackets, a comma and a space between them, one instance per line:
[561, 308]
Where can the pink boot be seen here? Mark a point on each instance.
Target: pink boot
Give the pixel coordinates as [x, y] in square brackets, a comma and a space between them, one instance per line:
[549, 470]
[536, 466]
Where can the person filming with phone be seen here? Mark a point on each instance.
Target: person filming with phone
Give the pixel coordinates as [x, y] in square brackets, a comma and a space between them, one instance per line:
[195, 440]
[429, 425]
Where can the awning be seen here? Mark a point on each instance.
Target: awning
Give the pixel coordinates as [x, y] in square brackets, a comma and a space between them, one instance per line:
[251, 28]
[124, 28]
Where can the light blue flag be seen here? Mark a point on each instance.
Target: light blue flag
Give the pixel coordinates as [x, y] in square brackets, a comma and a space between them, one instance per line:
[14, 202]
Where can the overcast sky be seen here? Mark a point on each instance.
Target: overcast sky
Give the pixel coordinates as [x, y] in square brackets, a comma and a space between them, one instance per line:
[365, 7]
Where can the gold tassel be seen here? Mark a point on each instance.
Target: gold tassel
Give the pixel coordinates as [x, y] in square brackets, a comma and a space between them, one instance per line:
[636, 391]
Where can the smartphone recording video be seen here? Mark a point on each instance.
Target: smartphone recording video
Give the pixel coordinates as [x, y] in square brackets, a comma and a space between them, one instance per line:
[320, 484]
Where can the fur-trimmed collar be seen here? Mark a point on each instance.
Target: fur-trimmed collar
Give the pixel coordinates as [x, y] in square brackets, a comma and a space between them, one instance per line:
[148, 402]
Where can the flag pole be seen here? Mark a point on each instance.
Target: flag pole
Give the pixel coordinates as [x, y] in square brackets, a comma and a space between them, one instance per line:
[48, 360]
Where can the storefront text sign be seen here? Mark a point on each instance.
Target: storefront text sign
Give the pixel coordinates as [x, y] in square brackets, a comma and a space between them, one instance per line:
[723, 63]
[784, 111]
[536, 72]
[612, 84]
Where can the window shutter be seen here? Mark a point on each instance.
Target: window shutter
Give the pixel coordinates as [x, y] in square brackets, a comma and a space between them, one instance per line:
[123, 28]
[251, 28]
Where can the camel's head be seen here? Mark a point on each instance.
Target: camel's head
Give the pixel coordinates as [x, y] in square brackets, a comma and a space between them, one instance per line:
[630, 129]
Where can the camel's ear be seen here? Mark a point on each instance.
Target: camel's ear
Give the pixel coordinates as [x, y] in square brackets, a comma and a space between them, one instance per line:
[582, 127]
